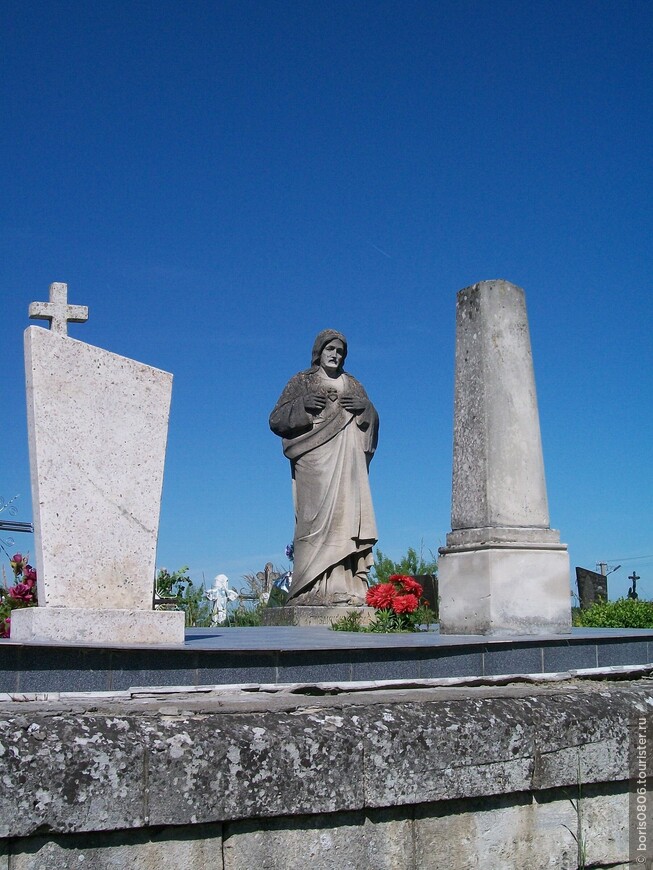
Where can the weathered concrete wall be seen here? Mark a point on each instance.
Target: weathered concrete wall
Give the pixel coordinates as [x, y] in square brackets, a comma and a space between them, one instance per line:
[421, 778]
[522, 831]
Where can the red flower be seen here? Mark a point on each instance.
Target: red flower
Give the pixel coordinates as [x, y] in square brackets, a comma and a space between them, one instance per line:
[381, 595]
[405, 603]
[5, 627]
[411, 585]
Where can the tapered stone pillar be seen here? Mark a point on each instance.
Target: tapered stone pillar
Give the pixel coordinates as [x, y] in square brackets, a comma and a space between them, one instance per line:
[503, 570]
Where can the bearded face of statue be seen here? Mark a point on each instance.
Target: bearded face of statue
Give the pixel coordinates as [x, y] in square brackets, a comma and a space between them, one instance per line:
[332, 357]
[322, 339]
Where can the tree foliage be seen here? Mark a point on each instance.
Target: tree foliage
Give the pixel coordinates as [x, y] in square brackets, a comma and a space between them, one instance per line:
[413, 564]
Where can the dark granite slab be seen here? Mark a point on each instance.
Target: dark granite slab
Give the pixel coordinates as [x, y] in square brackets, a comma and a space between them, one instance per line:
[281, 654]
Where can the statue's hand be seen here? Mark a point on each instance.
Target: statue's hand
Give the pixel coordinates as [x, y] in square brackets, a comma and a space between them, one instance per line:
[314, 403]
[354, 404]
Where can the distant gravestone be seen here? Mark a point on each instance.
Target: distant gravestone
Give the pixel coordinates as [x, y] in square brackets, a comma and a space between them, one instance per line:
[592, 587]
[97, 426]
[429, 584]
[503, 569]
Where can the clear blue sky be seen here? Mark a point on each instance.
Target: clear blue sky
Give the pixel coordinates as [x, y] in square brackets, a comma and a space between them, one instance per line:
[220, 181]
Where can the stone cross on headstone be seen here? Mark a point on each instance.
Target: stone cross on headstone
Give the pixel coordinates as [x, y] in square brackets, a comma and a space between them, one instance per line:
[57, 310]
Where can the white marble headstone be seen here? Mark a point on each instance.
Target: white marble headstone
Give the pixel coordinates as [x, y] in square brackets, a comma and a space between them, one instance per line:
[97, 425]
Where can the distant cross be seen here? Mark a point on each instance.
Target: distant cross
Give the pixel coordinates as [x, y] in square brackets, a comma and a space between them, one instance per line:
[632, 593]
[58, 311]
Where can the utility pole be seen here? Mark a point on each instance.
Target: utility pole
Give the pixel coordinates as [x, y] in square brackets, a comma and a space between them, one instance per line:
[603, 568]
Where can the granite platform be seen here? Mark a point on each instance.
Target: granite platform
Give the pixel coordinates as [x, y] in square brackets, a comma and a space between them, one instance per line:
[279, 654]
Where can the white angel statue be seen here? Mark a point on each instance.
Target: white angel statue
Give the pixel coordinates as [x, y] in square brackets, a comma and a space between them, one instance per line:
[220, 594]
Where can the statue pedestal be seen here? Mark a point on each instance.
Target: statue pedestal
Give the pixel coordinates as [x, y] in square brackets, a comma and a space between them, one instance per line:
[316, 615]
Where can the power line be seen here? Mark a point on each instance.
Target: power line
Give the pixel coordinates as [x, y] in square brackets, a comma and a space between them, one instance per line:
[630, 558]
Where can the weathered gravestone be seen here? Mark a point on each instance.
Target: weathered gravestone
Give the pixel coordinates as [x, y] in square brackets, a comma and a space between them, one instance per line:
[97, 426]
[503, 570]
[592, 587]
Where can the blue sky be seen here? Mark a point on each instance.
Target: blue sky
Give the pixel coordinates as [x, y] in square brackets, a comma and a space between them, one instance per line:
[220, 181]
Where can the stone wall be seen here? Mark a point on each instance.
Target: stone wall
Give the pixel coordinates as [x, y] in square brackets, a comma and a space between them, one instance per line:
[438, 777]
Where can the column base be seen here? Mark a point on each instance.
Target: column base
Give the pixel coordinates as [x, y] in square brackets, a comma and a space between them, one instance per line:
[82, 625]
[505, 591]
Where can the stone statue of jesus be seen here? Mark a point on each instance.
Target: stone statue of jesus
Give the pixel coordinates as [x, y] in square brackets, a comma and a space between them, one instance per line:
[329, 429]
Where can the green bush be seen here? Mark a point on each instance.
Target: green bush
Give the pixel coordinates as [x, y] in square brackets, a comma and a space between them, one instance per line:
[386, 622]
[623, 613]
[351, 621]
[245, 617]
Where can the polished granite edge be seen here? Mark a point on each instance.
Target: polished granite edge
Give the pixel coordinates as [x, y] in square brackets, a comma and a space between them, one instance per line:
[282, 638]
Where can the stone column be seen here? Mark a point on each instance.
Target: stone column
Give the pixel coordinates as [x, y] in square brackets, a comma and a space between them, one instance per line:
[503, 570]
[98, 427]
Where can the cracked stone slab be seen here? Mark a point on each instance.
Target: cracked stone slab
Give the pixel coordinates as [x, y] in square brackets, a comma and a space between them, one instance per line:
[104, 764]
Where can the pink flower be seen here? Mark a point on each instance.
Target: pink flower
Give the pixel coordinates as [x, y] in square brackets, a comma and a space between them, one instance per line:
[29, 575]
[21, 592]
[16, 563]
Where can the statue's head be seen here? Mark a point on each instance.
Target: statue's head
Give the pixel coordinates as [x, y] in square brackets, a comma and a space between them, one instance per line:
[221, 581]
[322, 340]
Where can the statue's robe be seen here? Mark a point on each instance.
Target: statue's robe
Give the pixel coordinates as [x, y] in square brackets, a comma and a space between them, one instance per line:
[329, 455]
